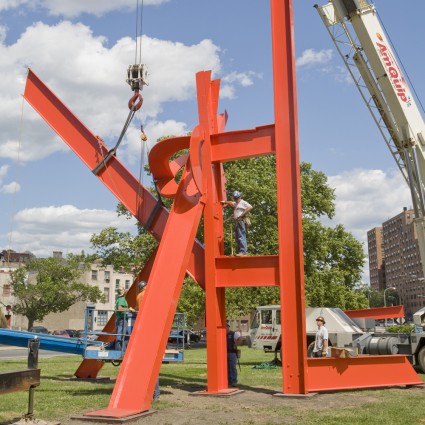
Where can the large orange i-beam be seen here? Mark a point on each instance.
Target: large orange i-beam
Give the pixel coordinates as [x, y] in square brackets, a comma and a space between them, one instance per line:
[199, 191]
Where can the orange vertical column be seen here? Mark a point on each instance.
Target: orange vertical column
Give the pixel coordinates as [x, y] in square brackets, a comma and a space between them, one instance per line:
[208, 92]
[291, 267]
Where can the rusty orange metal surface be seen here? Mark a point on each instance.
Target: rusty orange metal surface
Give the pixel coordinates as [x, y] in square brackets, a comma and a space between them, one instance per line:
[199, 191]
[377, 313]
[291, 265]
[330, 374]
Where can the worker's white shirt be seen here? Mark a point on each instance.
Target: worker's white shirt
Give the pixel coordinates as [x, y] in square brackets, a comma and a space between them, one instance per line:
[239, 208]
[321, 335]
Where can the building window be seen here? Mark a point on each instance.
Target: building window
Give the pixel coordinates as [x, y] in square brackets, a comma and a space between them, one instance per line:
[107, 276]
[106, 294]
[127, 284]
[94, 275]
[102, 317]
[117, 283]
[6, 290]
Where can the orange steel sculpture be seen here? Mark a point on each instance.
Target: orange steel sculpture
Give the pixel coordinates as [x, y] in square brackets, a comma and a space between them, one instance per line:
[199, 191]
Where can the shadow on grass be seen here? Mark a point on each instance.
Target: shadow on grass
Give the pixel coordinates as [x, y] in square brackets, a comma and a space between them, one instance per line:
[196, 384]
[11, 421]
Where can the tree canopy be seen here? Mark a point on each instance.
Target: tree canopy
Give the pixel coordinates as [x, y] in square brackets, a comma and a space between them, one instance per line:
[51, 285]
[333, 258]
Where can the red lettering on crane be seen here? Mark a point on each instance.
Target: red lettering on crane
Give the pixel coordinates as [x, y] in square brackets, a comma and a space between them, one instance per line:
[393, 70]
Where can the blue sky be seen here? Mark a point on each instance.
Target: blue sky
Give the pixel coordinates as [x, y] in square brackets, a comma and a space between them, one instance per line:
[81, 49]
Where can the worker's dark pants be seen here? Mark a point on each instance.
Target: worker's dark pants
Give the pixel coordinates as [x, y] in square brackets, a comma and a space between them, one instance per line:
[232, 372]
[121, 331]
[240, 236]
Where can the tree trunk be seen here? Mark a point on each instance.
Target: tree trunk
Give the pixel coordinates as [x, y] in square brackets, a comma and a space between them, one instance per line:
[30, 324]
[3, 321]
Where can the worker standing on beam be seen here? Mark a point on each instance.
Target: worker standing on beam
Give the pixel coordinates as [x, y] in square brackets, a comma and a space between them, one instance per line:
[240, 209]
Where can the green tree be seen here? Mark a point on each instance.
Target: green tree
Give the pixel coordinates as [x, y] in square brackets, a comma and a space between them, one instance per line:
[123, 249]
[51, 285]
[333, 258]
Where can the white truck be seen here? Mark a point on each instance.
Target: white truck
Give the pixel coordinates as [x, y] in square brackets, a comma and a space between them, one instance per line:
[265, 330]
[265, 334]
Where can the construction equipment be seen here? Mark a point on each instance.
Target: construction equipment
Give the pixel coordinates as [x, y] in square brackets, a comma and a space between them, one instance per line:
[107, 352]
[344, 332]
[365, 49]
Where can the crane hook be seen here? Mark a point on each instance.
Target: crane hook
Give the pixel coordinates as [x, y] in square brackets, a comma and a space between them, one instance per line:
[136, 101]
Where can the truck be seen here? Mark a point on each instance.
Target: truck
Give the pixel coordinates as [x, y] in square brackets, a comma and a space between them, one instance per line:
[366, 51]
[356, 336]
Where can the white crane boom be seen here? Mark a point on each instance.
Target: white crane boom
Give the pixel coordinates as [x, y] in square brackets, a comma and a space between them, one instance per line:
[363, 45]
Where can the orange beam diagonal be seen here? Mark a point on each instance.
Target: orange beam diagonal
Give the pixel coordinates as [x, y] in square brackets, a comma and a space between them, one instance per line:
[90, 149]
[135, 384]
[327, 374]
[376, 313]
[90, 368]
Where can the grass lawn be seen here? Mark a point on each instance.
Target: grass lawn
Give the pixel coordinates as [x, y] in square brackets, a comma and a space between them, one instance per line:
[58, 398]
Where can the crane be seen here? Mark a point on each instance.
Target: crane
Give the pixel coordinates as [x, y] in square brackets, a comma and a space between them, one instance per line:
[361, 41]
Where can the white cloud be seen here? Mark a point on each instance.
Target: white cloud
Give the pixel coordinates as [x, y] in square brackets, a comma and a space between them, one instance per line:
[229, 81]
[3, 171]
[154, 130]
[93, 84]
[367, 198]
[65, 228]
[10, 188]
[311, 57]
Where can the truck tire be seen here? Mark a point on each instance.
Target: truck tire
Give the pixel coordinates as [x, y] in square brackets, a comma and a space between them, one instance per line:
[421, 359]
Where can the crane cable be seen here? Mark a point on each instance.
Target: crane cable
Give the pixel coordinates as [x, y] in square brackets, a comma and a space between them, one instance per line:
[144, 150]
[138, 48]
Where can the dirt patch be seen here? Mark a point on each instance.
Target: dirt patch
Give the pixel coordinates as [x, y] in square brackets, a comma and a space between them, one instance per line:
[252, 406]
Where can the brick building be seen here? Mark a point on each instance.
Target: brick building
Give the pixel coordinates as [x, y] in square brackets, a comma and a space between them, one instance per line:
[394, 260]
[106, 278]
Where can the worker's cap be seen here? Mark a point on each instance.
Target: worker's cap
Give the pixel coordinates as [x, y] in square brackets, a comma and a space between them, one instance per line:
[142, 285]
[236, 194]
[322, 319]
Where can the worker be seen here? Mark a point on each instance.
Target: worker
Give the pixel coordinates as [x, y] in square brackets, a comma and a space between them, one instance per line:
[142, 289]
[321, 342]
[240, 209]
[121, 307]
[233, 340]
[141, 286]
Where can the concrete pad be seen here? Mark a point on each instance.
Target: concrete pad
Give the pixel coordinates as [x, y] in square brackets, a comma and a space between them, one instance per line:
[306, 396]
[222, 393]
[110, 420]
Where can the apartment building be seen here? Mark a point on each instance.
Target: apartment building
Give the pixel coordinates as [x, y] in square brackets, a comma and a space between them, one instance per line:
[401, 263]
[105, 278]
[376, 259]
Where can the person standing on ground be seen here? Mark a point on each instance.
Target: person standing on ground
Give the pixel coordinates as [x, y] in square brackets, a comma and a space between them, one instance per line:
[121, 306]
[321, 343]
[240, 209]
[142, 289]
[233, 340]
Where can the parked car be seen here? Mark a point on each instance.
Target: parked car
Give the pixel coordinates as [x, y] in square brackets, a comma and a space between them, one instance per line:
[39, 330]
[177, 336]
[63, 334]
[73, 333]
